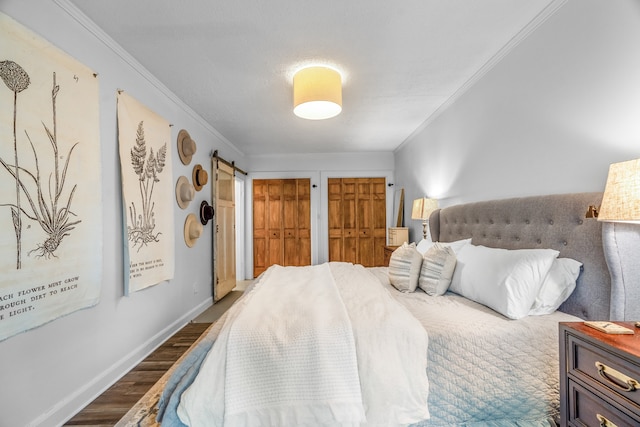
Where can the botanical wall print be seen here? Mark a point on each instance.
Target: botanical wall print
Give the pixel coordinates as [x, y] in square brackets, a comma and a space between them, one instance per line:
[50, 187]
[147, 189]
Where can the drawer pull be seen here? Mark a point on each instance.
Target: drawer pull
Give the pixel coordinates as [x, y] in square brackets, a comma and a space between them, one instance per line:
[604, 422]
[609, 373]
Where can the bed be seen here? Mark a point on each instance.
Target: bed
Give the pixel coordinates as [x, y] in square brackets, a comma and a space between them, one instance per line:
[482, 367]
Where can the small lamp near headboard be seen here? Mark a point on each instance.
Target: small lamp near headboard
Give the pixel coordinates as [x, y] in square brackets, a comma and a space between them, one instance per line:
[422, 208]
[620, 210]
[621, 199]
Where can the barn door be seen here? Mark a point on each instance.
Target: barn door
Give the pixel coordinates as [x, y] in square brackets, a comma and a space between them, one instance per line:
[224, 252]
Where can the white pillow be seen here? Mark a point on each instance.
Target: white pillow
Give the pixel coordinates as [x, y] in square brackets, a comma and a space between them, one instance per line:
[404, 267]
[437, 268]
[507, 281]
[557, 286]
[458, 244]
[426, 244]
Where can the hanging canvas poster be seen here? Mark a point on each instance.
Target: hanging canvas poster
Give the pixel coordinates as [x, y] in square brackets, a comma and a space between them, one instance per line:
[147, 190]
[50, 182]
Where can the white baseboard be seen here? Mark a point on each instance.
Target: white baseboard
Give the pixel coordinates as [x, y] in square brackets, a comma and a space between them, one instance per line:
[74, 403]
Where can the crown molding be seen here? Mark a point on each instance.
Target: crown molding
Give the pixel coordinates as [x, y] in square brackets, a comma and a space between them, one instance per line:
[538, 20]
[103, 37]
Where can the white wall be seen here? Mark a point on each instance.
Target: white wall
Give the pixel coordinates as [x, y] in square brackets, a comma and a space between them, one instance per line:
[548, 118]
[49, 373]
[318, 168]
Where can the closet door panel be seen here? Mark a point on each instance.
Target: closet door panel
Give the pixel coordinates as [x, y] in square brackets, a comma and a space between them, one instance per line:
[379, 218]
[364, 223]
[336, 218]
[275, 249]
[350, 220]
[364, 206]
[260, 231]
[290, 222]
[304, 221]
[335, 248]
[365, 250]
[350, 248]
[259, 256]
[349, 204]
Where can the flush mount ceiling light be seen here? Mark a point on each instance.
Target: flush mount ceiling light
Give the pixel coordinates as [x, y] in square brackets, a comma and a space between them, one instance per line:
[317, 93]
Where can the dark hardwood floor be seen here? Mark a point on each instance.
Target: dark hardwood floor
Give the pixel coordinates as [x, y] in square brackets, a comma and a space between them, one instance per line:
[114, 403]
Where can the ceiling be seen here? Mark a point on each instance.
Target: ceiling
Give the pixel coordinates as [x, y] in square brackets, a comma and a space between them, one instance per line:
[232, 61]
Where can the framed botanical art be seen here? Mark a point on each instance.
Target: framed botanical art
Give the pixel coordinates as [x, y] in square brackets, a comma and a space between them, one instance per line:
[50, 192]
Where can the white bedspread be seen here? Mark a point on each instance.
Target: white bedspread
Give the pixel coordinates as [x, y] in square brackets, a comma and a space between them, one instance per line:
[486, 370]
[287, 355]
[392, 348]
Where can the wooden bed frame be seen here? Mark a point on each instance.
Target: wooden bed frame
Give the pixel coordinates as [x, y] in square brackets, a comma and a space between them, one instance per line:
[144, 412]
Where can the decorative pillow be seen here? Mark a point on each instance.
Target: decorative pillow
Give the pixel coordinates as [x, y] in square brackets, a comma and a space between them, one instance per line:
[557, 286]
[437, 268]
[507, 281]
[404, 267]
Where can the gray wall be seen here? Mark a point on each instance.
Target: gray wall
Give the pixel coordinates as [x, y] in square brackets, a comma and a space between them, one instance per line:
[49, 373]
[548, 118]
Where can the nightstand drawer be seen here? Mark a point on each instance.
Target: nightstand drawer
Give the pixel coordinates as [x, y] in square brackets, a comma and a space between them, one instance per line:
[586, 409]
[594, 364]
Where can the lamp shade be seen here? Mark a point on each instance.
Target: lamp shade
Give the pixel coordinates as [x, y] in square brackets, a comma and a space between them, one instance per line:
[423, 207]
[621, 199]
[317, 93]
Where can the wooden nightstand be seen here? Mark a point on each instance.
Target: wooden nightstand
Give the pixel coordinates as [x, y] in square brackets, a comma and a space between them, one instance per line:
[599, 376]
[388, 250]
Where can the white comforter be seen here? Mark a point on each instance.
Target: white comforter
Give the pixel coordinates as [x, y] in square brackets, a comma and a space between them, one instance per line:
[318, 345]
[486, 370]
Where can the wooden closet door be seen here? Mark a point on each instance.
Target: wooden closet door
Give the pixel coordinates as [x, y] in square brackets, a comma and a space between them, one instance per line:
[357, 220]
[281, 223]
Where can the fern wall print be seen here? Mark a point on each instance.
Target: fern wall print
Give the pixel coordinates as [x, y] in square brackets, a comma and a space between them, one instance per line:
[141, 230]
[147, 190]
[50, 232]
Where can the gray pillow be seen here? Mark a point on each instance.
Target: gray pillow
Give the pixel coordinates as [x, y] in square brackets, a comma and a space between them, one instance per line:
[438, 265]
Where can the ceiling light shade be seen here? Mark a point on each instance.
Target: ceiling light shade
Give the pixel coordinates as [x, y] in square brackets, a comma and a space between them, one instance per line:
[621, 199]
[317, 93]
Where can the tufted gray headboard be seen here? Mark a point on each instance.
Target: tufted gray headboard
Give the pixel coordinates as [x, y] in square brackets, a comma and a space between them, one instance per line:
[555, 221]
